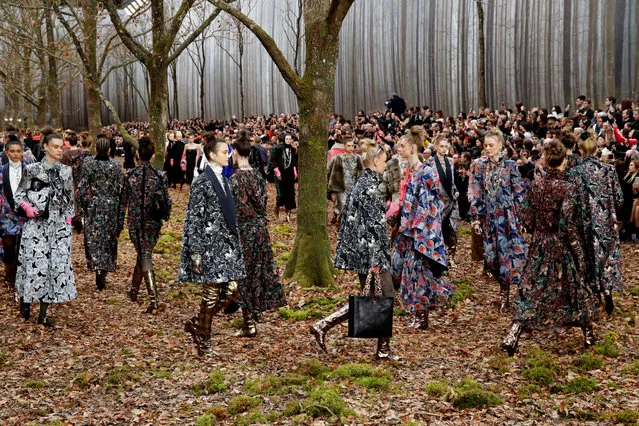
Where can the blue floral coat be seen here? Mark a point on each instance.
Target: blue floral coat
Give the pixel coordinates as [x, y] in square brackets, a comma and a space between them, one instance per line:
[496, 193]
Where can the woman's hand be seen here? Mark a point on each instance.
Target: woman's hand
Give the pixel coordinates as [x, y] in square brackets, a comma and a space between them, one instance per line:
[29, 210]
[374, 270]
[196, 263]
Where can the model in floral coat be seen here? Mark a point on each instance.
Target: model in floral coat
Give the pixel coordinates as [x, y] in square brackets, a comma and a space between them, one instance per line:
[45, 197]
[496, 194]
[211, 249]
[99, 198]
[363, 244]
[552, 289]
[144, 188]
[261, 290]
[600, 196]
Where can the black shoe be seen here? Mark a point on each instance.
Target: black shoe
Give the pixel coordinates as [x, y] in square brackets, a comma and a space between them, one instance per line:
[45, 322]
[25, 310]
[100, 280]
[609, 306]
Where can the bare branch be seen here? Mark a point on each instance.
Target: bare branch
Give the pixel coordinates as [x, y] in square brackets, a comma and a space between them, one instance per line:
[136, 48]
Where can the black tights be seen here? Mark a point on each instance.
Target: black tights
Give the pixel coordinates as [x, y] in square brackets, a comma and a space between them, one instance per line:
[10, 246]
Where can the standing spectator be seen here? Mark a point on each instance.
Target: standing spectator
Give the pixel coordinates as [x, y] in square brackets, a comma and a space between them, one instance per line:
[283, 163]
[343, 172]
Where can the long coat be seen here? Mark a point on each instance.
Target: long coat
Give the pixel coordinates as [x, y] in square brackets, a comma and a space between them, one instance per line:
[496, 194]
[599, 195]
[449, 195]
[99, 197]
[10, 222]
[419, 257]
[552, 287]
[44, 272]
[363, 240]
[210, 228]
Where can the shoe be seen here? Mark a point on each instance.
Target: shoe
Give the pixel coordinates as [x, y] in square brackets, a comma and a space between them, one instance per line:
[45, 322]
[136, 280]
[322, 326]
[511, 341]
[504, 293]
[25, 310]
[42, 316]
[249, 328]
[609, 306]
[100, 279]
[384, 351]
[151, 287]
[589, 336]
[421, 320]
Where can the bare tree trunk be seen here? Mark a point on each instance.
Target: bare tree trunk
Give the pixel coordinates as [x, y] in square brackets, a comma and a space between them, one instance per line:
[52, 75]
[240, 65]
[158, 103]
[202, 70]
[482, 55]
[176, 103]
[94, 106]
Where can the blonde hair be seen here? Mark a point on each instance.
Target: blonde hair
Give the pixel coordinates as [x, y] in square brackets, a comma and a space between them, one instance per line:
[370, 151]
[437, 139]
[495, 133]
[415, 136]
[588, 146]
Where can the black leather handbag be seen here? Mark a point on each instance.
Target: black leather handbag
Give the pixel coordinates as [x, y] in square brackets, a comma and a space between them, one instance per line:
[370, 316]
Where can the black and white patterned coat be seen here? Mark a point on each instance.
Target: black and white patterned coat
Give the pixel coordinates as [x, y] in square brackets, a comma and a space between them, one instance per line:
[363, 240]
[44, 271]
[210, 228]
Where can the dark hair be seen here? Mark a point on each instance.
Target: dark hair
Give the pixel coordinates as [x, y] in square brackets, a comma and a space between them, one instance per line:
[567, 139]
[242, 144]
[72, 137]
[85, 139]
[612, 99]
[210, 143]
[51, 136]
[581, 97]
[102, 146]
[554, 153]
[10, 128]
[13, 140]
[146, 148]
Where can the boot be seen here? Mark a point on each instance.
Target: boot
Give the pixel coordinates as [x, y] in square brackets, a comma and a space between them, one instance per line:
[10, 270]
[384, 351]
[249, 328]
[42, 317]
[25, 309]
[589, 335]
[451, 256]
[511, 340]
[420, 320]
[135, 284]
[277, 212]
[100, 279]
[200, 327]
[504, 293]
[152, 288]
[320, 328]
[609, 306]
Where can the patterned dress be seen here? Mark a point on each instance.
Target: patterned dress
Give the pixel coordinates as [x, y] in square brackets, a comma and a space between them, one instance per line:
[496, 194]
[418, 260]
[600, 195]
[262, 289]
[363, 236]
[552, 287]
[99, 197]
[142, 184]
[45, 272]
[210, 229]
[449, 194]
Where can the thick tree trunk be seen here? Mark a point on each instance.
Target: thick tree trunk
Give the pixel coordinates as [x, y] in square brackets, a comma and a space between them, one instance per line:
[94, 107]
[158, 102]
[482, 56]
[52, 76]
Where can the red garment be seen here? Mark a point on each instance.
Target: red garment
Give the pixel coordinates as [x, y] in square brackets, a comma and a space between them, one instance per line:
[621, 139]
[333, 152]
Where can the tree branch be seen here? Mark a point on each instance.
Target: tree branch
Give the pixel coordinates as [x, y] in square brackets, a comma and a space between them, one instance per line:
[195, 34]
[126, 136]
[136, 48]
[269, 44]
[337, 12]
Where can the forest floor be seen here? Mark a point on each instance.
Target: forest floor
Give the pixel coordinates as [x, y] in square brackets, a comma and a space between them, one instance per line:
[106, 362]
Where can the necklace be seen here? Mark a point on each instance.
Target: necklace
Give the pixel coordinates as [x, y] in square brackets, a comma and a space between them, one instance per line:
[493, 178]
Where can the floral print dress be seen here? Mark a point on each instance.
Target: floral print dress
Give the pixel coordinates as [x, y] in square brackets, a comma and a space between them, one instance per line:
[418, 260]
[600, 195]
[496, 194]
[261, 290]
[552, 288]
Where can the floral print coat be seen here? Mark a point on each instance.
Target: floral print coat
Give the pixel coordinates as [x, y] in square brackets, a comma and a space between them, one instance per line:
[496, 194]
[363, 240]
[600, 195]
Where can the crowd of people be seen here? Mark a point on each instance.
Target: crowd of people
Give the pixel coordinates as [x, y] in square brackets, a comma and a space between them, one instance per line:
[401, 180]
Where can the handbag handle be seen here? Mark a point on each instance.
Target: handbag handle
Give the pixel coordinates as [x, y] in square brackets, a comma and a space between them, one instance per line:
[367, 287]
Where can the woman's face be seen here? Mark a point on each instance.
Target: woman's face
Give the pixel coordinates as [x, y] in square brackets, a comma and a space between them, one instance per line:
[443, 147]
[288, 140]
[408, 150]
[379, 163]
[601, 142]
[349, 147]
[14, 152]
[493, 147]
[221, 155]
[54, 149]
[631, 167]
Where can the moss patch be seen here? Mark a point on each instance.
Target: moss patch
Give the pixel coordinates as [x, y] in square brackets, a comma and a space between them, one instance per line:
[580, 385]
[242, 403]
[463, 292]
[216, 382]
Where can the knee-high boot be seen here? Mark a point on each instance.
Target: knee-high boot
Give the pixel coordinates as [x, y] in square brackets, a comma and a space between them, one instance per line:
[504, 293]
[249, 329]
[152, 288]
[136, 280]
[322, 326]
[100, 279]
[511, 340]
[42, 317]
[200, 327]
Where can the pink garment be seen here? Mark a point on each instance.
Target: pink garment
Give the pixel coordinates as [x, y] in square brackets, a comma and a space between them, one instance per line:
[333, 152]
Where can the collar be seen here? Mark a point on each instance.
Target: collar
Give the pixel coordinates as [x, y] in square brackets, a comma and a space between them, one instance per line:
[216, 168]
[15, 165]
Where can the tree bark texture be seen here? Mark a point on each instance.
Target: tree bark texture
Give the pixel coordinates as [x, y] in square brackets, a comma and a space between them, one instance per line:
[481, 74]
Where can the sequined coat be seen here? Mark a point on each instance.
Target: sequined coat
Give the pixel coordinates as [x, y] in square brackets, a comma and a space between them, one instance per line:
[99, 198]
[10, 222]
[552, 287]
[363, 240]
[45, 272]
[600, 195]
[212, 233]
[418, 259]
[496, 194]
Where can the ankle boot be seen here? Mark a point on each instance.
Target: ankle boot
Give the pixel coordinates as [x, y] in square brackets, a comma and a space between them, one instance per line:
[609, 306]
[25, 309]
[320, 328]
[589, 335]
[421, 320]
[100, 279]
[10, 270]
[152, 288]
[504, 293]
[42, 317]
[510, 342]
[451, 256]
[249, 328]
[384, 351]
[136, 280]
